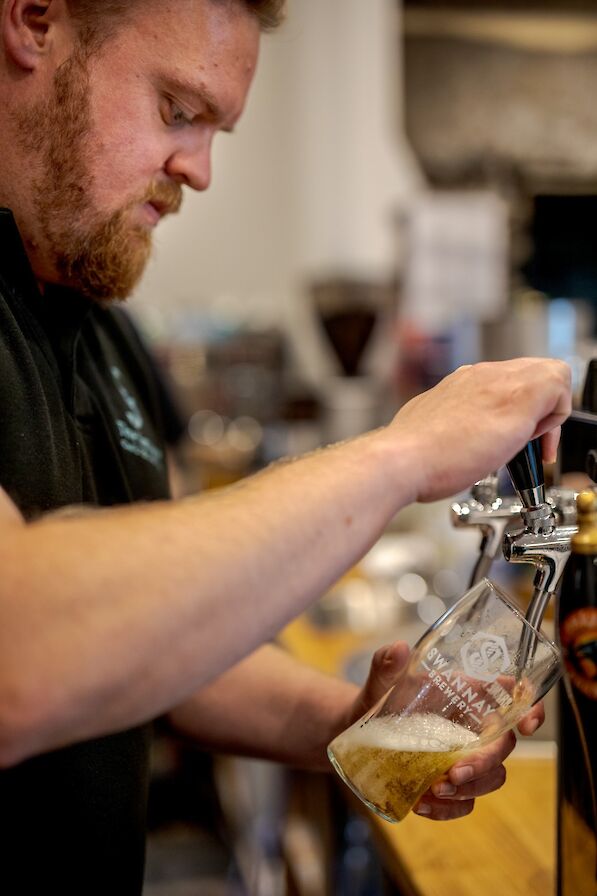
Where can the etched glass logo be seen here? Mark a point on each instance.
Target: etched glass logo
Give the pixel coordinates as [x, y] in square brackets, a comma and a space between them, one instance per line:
[485, 656]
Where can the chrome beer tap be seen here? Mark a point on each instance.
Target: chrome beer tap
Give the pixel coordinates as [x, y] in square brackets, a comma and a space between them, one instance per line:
[490, 513]
[546, 537]
[493, 514]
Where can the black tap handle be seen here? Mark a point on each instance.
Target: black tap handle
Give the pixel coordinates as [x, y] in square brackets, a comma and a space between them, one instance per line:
[526, 473]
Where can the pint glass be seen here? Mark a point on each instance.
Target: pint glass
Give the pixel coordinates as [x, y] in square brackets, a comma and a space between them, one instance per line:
[468, 680]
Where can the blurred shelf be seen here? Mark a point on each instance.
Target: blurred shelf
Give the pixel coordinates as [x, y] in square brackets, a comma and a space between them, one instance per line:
[541, 32]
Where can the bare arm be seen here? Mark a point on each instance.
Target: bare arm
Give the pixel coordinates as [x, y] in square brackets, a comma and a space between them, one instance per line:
[268, 706]
[114, 618]
[272, 707]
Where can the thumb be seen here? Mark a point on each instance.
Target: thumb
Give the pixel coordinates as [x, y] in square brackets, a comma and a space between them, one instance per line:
[386, 666]
[549, 444]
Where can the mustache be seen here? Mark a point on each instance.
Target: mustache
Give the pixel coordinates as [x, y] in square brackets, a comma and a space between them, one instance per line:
[166, 196]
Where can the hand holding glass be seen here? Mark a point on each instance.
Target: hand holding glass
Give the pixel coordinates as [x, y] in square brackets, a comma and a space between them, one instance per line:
[468, 680]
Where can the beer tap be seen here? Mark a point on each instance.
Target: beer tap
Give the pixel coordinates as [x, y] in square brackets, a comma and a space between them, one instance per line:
[544, 542]
[490, 513]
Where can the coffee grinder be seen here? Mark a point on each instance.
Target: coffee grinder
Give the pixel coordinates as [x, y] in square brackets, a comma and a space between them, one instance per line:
[348, 312]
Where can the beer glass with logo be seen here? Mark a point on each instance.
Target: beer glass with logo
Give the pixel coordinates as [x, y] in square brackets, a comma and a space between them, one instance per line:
[469, 679]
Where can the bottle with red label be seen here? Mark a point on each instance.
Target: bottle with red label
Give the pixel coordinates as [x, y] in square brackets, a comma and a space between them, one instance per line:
[577, 741]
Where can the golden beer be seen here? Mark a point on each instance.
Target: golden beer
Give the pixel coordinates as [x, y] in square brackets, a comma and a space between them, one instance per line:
[390, 762]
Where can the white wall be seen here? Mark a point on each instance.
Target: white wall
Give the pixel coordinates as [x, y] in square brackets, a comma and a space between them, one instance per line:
[309, 182]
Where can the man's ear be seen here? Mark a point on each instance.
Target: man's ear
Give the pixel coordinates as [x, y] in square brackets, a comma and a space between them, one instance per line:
[26, 31]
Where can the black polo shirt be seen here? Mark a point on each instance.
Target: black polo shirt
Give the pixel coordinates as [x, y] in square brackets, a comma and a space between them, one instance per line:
[79, 424]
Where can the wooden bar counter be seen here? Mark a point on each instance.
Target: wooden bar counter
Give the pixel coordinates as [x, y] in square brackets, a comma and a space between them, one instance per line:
[506, 846]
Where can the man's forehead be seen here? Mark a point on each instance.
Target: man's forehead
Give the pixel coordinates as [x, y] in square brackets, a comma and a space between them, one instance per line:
[199, 24]
[202, 52]
[218, 43]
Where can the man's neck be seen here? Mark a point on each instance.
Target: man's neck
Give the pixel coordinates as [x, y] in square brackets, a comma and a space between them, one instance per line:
[29, 243]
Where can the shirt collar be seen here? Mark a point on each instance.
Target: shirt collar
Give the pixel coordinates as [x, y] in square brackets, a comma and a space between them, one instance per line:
[14, 263]
[59, 308]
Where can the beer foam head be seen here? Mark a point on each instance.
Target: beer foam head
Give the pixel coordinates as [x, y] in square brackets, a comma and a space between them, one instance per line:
[421, 732]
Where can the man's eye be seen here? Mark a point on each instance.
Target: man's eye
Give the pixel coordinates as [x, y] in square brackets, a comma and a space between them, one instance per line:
[174, 115]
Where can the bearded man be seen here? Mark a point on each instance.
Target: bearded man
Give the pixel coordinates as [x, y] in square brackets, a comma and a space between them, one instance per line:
[110, 619]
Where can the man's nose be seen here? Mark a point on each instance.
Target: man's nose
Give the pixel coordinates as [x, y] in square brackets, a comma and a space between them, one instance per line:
[190, 164]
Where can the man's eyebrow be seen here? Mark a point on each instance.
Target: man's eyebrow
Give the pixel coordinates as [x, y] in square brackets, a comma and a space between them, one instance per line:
[198, 91]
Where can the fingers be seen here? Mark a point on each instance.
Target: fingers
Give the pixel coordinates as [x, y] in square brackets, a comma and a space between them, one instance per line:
[493, 780]
[518, 400]
[549, 445]
[540, 389]
[482, 762]
[454, 795]
[386, 665]
[445, 802]
[559, 408]
[563, 407]
[533, 720]
[443, 810]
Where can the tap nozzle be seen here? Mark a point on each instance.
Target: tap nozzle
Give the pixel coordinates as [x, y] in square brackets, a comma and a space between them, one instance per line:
[492, 515]
[547, 549]
[542, 542]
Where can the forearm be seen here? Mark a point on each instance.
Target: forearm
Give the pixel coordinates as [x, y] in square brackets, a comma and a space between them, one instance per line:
[111, 619]
[268, 706]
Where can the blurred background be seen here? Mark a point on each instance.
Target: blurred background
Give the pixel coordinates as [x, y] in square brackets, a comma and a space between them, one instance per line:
[413, 187]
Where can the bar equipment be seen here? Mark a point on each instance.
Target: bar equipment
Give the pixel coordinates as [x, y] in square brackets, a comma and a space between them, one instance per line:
[348, 311]
[562, 545]
[492, 514]
[542, 542]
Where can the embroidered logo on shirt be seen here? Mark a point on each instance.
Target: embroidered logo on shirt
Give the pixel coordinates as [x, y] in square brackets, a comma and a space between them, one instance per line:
[130, 428]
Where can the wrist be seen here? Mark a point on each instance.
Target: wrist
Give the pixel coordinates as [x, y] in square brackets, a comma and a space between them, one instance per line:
[399, 455]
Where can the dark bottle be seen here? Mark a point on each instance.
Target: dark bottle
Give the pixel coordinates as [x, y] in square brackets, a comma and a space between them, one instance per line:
[577, 740]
